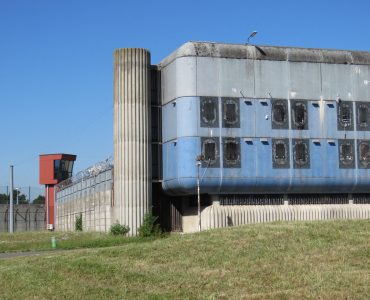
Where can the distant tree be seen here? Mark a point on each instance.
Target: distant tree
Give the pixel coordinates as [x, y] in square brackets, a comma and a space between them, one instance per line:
[39, 200]
[4, 199]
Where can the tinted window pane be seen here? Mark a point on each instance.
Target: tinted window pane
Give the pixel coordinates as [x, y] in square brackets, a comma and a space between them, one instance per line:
[208, 112]
[279, 112]
[362, 116]
[230, 113]
[299, 115]
[345, 116]
[231, 147]
[280, 153]
[346, 154]
[364, 154]
[301, 153]
[210, 152]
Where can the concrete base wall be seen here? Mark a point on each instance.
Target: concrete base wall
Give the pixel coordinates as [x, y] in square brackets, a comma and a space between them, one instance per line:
[217, 216]
[96, 210]
[25, 217]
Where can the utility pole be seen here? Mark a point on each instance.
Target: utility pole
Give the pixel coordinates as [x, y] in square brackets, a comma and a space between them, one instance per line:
[199, 160]
[11, 215]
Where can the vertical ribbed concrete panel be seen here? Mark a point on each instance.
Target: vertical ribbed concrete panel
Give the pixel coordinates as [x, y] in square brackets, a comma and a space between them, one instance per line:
[132, 141]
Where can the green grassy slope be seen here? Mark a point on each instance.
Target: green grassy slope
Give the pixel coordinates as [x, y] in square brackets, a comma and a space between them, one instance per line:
[326, 260]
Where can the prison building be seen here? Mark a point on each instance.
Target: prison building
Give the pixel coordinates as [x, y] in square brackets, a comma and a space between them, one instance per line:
[280, 133]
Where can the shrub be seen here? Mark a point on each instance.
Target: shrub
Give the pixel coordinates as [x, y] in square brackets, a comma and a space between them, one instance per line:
[78, 223]
[118, 229]
[149, 228]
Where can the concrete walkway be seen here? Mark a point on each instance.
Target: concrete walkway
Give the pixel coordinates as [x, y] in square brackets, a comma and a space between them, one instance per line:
[25, 254]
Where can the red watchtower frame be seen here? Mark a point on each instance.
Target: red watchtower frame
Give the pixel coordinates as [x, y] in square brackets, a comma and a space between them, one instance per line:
[54, 168]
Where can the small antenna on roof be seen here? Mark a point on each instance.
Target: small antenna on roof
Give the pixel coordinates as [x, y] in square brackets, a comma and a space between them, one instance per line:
[251, 35]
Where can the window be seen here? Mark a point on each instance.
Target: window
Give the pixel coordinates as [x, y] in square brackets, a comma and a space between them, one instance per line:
[231, 148]
[210, 152]
[345, 116]
[301, 154]
[362, 116]
[62, 169]
[208, 112]
[280, 153]
[230, 113]
[279, 114]
[346, 154]
[299, 115]
[364, 154]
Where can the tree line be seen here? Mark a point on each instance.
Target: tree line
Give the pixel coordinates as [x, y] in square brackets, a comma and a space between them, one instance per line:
[22, 199]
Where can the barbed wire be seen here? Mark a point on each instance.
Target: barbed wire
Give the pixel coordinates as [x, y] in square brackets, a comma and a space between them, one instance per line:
[91, 171]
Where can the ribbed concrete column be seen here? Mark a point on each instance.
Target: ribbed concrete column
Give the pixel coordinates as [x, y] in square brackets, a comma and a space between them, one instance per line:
[132, 141]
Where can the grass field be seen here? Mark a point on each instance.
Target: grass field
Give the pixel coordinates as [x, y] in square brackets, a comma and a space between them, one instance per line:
[316, 260]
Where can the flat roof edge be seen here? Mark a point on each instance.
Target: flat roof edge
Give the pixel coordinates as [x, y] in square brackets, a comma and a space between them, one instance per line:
[293, 54]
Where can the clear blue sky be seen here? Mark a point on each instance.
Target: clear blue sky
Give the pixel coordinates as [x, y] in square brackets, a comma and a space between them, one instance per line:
[56, 60]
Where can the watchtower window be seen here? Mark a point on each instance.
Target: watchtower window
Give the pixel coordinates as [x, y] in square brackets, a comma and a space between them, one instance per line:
[209, 112]
[364, 154]
[301, 154]
[279, 112]
[280, 153]
[346, 154]
[231, 153]
[210, 152]
[299, 115]
[231, 113]
[345, 116]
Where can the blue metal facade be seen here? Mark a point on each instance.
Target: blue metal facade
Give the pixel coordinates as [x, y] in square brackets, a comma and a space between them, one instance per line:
[182, 135]
[315, 143]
